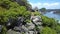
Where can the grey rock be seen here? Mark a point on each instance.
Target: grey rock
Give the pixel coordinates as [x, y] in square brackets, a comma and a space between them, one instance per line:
[21, 28]
[19, 24]
[20, 21]
[30, 26]
[12, 32]
[25, 29]
[17, 21]
[17, 28]
[26, 33]
[31, 32]
[38, 23]
[1, 27]
[36, 20]
[9, 22]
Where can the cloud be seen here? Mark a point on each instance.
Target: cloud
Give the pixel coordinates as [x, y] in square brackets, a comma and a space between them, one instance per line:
[46, 5]
[50, 4]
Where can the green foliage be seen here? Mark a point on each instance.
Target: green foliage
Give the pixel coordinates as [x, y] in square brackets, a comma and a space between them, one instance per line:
[23, 33]
[49, 21]
[47, 30]
[36, 13]
[14, 11]
[43, 9]
[28, 21]
[57, 28]
[9, 9]
[4, 30]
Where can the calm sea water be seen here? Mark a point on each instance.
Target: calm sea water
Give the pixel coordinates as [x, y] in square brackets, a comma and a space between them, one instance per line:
[52, 15]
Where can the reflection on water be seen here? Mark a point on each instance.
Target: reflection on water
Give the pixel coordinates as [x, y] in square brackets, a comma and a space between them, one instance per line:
[52, 15]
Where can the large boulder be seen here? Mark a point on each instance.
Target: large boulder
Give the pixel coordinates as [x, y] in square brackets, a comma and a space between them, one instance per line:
[36, 20]
[24, 28]
[30, 26]
[19, 24]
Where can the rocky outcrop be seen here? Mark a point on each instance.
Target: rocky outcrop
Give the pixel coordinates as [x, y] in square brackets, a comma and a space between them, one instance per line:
[36, 20]
[29, 28]
[34, 27]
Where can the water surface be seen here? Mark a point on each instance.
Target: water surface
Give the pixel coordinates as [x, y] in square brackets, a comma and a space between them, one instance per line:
[52, 15]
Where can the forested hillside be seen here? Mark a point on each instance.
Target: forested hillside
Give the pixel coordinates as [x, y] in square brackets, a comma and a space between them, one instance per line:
[17, 17]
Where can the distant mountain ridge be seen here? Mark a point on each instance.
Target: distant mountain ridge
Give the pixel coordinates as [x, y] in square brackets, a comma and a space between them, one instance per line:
[49, 10]
[53, 10]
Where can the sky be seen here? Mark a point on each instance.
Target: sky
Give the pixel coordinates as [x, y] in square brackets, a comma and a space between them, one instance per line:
[48, 4]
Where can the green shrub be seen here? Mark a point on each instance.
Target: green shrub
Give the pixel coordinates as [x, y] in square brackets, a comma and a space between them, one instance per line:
[47, 30]
[57, 28]
[36, 13]
[4, 30]
[14, 11]
[49, 21]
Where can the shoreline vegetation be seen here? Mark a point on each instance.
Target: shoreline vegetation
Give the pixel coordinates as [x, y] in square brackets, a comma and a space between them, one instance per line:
[15, 18]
